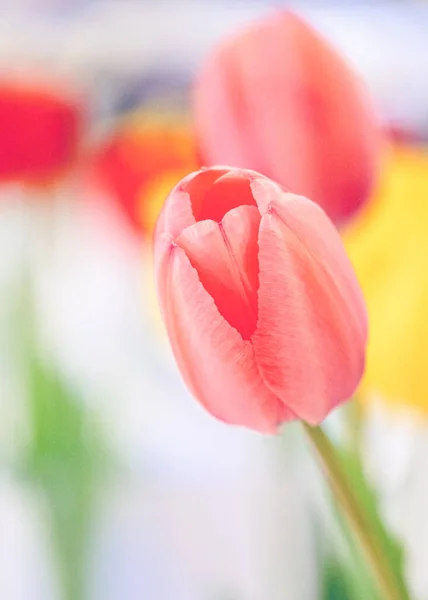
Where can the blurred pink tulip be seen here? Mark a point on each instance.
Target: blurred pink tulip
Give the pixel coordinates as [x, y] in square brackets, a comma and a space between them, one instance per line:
[262, 308]
[277, 98]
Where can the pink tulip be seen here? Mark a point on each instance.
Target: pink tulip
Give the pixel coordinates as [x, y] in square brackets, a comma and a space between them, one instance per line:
[263, 311]
[277, 98]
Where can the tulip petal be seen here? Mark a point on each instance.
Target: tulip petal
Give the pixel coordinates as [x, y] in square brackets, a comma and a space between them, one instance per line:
[228, 192]
[306, 343]
[225, 256]
[276, 97]
[217, 365]
[318, 235]
[176, 215]
[218, 99]
[205, 194]
[197, 184]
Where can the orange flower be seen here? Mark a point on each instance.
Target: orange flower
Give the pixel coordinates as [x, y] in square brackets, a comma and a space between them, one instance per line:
[138, 159]
[40, 130]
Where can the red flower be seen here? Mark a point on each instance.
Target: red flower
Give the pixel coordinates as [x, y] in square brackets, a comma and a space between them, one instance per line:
[261, 304]
[277, 98]
[40, 130]
[137, 155]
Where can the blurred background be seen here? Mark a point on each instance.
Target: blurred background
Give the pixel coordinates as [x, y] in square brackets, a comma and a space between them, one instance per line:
[114, 483]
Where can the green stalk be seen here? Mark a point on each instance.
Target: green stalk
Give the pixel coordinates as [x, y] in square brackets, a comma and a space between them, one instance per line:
[384, 576]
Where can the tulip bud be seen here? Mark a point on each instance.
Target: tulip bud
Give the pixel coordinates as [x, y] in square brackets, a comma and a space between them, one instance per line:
[277, 98]
[261, 305]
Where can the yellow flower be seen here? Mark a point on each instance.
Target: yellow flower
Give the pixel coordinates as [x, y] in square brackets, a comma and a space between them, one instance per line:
[388, 245]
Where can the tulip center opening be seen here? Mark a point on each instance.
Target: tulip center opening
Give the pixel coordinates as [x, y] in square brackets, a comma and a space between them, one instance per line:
[215, 192]
[225, 256]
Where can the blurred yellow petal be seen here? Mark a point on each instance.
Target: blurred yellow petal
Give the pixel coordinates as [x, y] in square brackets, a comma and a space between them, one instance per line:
[388, 245]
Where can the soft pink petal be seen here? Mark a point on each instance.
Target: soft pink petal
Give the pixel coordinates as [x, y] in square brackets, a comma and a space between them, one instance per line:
[175, 216]
[182, 206]
[311, 116]
[198, 184]
[308, 341]
[185, 202]
[226, 257]
[216, 363]
[205, 194]
[319, 236]
[220, 112]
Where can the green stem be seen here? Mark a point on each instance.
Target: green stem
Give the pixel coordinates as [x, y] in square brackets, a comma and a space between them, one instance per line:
[354, 425]
[354, 512]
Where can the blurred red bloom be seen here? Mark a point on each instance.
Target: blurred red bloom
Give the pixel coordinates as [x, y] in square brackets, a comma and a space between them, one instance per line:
[141, 153]
[40, 130]
[276, 97]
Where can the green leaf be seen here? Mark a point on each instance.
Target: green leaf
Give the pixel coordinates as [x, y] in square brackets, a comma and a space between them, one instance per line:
[64, 460]
[336, 583]
[66, 454]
